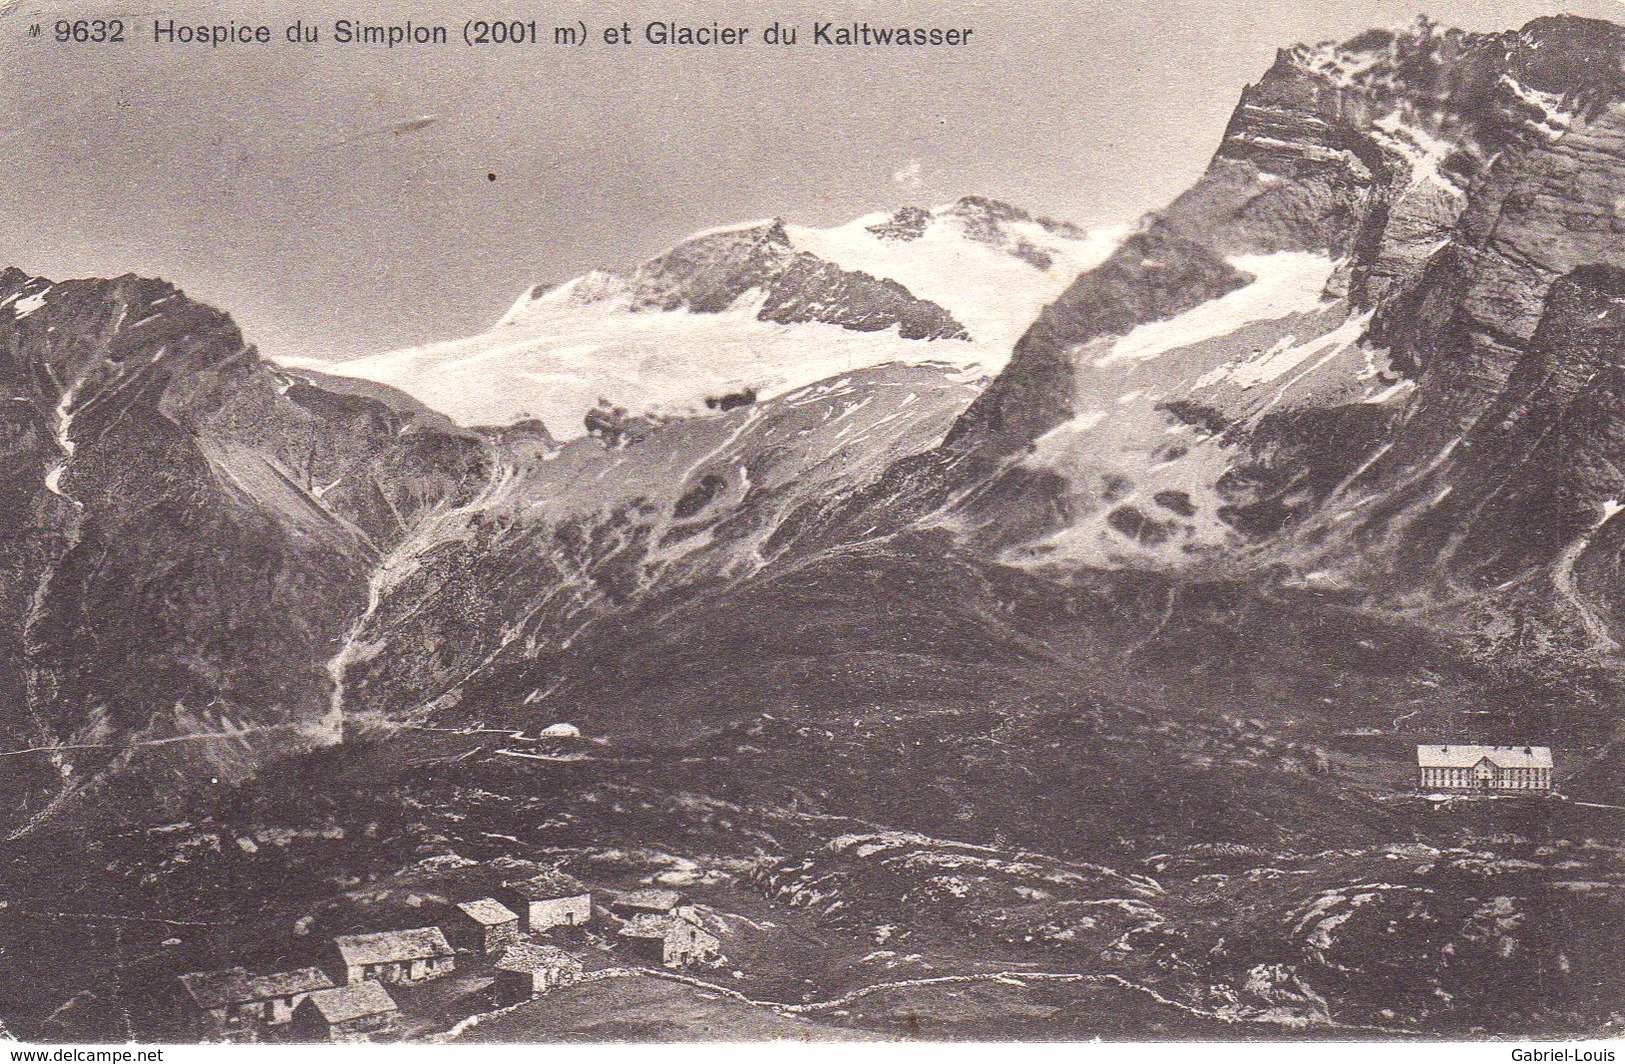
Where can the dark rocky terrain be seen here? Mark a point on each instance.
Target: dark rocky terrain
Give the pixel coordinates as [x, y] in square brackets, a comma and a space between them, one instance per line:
[188, 531]
[709, 274]
[1094, 684]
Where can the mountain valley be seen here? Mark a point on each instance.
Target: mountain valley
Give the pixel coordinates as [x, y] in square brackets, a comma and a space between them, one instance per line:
[1004, 627]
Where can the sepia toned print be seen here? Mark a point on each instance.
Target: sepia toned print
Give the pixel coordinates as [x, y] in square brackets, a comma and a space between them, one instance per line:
[1186, 606]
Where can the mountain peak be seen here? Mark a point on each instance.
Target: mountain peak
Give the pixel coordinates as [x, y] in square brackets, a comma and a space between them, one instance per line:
[756, 309]
[1569, 56]
[988, 207]
[1467, 75]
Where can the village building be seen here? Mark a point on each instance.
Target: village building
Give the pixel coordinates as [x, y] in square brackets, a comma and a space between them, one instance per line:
[408, 956]
[528, 969]
[551, 899]
[282, 992]
[1491, 769]
[235, 1005]
[219, 1007]
[484, 927]
[645, 901]
[674, 939]
[358, 1012]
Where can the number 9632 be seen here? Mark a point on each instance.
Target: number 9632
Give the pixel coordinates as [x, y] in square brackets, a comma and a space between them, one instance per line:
[90, 31]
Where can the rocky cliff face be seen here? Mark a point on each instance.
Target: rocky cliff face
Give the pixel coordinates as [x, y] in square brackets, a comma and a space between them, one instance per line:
[709, 274]
[1349, 326]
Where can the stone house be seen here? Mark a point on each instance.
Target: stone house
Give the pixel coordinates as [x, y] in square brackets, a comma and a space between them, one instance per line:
[528, 969]
[675, 939]
[412, 955]
[632, 903]
[237, 1006]
[358, 1012]
[551, 899]
[484, 927]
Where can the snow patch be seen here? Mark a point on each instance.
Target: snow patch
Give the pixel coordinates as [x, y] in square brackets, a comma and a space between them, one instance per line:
[1397, 390]
[62, 432]
[28, 304]
[1286, 355]
[1422, 150]
[1285, 283]
[1555, 118]
[1080, 424]
[992, 291]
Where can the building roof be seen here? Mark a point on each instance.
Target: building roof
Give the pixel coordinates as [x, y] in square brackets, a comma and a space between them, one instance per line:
[381, 947]
[646, 925]
[546, 886]
[488, 911]
[532, 957]
[366, 998]
[656, 901]
[210, 990]
[284, 984]
[1445, 756]
[657, 926]
[237, 986]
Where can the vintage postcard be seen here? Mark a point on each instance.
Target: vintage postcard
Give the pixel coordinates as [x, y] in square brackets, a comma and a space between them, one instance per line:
[888, 521]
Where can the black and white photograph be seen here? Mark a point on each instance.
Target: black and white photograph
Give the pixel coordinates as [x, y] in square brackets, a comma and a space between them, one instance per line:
[737, 522]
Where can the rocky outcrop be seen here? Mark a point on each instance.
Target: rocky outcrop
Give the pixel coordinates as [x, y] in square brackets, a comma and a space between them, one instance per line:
[1537, 469]
[810, 289]
[1155, 275]
[708, 274]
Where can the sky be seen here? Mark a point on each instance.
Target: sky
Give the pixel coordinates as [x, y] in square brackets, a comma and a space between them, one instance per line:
[269, 181]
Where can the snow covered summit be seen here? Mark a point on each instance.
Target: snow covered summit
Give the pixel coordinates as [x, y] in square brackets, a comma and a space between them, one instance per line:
[753, 311]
